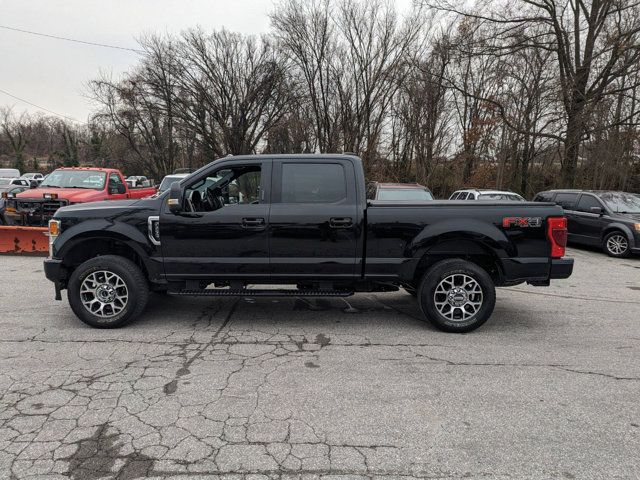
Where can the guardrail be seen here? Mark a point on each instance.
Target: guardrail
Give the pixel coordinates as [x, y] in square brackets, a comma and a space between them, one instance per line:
[24, 240]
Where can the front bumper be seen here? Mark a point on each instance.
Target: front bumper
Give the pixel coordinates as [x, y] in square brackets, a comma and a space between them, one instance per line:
[55, 272]
[561, 268]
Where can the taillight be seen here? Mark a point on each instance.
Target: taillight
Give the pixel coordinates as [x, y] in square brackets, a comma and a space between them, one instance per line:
[557, 233]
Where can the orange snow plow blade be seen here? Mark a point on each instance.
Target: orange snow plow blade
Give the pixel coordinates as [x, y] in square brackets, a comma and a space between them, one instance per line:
[24, 240]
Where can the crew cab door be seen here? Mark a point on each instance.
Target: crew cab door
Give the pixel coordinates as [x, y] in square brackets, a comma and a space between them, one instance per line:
[222, 231]
[313, 225]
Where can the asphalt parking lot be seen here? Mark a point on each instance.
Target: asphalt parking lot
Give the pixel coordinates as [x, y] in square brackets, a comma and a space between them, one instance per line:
[288, 388]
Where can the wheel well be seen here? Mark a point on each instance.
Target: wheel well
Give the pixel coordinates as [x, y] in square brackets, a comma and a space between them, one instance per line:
[94, 247]
[478, 255]
[614, 230]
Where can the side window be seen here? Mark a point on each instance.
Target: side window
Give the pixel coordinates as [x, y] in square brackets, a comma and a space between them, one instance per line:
[455, 196]
[567, 200]
[226, 187]
[115, 184]
[586, 202]
[544, 197]
[313, 183]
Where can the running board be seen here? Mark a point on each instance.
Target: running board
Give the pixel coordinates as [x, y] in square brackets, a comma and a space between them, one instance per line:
[245, 292]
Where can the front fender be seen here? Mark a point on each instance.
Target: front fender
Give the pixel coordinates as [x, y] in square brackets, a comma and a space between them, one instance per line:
[103, 229]
[624, 228]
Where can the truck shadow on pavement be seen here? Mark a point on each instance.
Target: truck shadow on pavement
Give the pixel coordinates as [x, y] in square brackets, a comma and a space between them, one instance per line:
[361, 313]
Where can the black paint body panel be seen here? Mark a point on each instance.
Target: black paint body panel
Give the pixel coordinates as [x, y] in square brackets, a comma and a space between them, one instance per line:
[348, 241]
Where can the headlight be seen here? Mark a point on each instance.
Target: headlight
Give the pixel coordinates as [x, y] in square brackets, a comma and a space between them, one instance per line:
[54, 231]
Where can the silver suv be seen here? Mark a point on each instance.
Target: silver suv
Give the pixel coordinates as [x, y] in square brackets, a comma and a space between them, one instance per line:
[485, 194]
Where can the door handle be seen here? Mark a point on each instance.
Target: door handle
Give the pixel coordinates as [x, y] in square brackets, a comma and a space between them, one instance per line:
[252, 222]
[340, 222]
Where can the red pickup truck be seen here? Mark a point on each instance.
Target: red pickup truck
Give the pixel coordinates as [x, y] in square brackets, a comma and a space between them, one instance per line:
[66, 186]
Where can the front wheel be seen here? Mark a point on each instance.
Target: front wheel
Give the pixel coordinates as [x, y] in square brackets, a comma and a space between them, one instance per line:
[457, 296]
[107, 291]
[616, 244]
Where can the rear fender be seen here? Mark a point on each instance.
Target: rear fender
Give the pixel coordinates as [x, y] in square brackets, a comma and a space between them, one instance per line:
[478, 240]
[448, 232]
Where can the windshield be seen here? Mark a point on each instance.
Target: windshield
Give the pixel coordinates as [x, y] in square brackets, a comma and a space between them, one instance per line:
[5, 181]
[512, 197]
[404, 194]
[75, 179]
[621, 202]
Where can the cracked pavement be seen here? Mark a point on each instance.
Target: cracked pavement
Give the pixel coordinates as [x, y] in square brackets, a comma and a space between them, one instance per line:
[328, 388]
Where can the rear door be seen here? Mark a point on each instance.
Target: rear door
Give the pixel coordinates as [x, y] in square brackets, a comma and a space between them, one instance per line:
[313, 224]
[568, 201]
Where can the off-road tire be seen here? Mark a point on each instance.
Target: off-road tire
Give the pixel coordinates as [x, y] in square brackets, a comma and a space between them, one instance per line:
[445, 269]
[136, 285]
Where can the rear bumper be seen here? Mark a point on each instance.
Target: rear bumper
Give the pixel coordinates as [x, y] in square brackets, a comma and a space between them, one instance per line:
[536, 270]
[561, 268]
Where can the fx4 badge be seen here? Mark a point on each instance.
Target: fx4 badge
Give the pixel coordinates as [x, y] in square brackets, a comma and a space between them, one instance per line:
[509, 222]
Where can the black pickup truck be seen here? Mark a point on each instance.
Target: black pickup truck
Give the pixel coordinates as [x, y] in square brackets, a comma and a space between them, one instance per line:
[301, 223]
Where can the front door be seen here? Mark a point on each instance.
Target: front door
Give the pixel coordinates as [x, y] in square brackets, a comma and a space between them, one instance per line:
[116, 189]
[313, 225]
[222, 231]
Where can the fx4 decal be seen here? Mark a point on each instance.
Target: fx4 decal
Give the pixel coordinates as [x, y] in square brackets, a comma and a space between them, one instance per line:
[509, 222]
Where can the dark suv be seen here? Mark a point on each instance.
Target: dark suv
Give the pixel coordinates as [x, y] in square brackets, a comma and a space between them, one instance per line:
[596, 217]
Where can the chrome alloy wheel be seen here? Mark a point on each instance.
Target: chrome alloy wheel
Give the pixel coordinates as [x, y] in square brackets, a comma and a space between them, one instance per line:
[617, 244]
[458, 297]
[104, 294]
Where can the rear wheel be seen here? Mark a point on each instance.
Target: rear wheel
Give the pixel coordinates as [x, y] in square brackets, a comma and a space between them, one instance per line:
[457, 296]
[107, 291]
[616, 244]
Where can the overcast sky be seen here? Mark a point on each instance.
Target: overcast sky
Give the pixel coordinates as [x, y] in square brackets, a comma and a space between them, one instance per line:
[53, 73]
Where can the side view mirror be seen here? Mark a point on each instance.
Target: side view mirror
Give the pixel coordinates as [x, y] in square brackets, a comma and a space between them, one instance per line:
[176, 198]
[597, 210]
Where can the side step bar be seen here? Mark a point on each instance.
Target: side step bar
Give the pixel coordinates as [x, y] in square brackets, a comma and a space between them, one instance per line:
[246, 292]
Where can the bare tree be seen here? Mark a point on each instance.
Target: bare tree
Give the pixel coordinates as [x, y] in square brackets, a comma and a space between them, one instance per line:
[233, 89]
[594, 44]
[15, 130]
